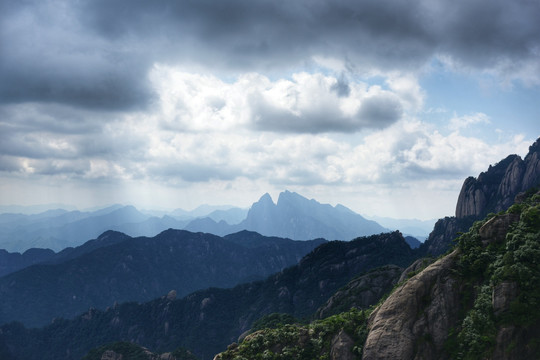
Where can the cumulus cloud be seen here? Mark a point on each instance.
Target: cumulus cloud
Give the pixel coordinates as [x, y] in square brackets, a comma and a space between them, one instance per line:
[411, 151]
[306, 103]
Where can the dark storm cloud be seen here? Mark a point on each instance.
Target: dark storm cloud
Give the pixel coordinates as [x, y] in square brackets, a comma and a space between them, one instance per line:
[48, 57]
[33, 117]
[380, 111]
[9, 164]
[376, 112]
[268, 117]
[97, 54]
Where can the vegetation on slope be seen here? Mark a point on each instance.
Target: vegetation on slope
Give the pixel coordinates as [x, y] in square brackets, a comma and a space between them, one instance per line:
[511, 265]
[302, 342]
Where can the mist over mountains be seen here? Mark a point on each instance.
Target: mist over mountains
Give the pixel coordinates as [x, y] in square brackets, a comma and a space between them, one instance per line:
[293, 216]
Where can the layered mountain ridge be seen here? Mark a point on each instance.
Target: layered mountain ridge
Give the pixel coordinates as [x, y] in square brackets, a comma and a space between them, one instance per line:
[117, 268]
[207, 320]
[477, 302]
[293, 216]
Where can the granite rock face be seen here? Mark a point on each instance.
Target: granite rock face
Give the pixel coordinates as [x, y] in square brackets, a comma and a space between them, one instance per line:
[416, 319]
[111, 355]
[422, 308]
[496, 189]
[341, 347]
[415, 268]
[503, 295]
[493, 191]
[444, 232]
[495, 229]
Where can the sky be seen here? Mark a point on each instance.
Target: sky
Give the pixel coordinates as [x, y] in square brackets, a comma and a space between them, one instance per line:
[382, 106]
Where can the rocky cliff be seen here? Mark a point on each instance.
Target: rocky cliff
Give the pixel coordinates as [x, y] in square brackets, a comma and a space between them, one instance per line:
[131, 351]
[473, 303]
[414, 321]
[493, 191]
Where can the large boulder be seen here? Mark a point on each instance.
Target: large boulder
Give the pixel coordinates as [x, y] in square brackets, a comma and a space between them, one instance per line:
[414, 321]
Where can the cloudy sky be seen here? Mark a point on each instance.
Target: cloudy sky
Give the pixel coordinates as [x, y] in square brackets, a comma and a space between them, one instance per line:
[383, 106]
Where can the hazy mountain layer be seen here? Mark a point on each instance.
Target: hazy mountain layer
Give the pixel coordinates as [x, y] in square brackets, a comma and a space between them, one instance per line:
[57, 230]
[295, 217]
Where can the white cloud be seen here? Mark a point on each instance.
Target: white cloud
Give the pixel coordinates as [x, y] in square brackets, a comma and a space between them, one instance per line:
[461, 122]
[305, 103]
[409, 151]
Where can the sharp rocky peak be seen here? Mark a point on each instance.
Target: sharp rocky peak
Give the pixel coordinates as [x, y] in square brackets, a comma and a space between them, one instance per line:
[496, 189]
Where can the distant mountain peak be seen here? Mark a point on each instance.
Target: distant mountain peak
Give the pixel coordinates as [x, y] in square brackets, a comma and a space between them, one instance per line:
[299, 218]
[266, 199]
[289, 196]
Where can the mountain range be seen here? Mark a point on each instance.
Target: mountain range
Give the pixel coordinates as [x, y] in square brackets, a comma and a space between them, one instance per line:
[293, 217]
[116, 268]
[207, 320]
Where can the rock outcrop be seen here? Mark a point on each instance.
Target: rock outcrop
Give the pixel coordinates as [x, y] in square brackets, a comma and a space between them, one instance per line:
[495, 229]
[111, 355]
[444, 232]
[414, 321]
[415, 268]
[341, 347]
[495, 189]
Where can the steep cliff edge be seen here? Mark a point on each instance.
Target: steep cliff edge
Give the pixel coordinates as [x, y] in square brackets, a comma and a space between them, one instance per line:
[480, 301]
[495, 189]
[492, 191]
